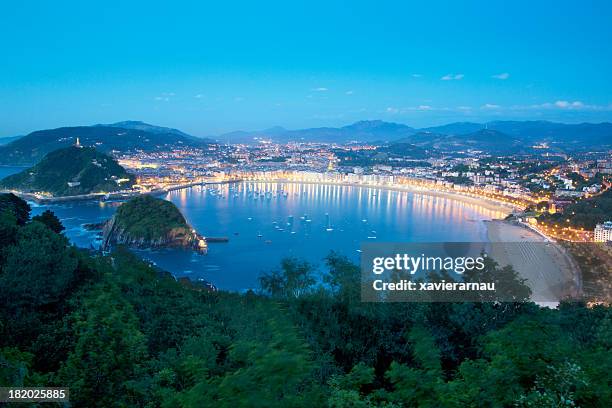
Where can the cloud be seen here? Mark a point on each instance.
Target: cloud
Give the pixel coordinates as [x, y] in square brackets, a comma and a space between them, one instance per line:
[503, 76]
[164, 97]
[490, 106]
[566, 104]
[392, 110]
[464, 108]
[349, 92]
[409, 109]
[452, 77]
[320, 89]
[562, 104]
[198, 96]
[417, 75]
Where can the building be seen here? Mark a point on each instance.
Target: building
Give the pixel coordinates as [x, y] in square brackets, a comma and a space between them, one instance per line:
[603, 232]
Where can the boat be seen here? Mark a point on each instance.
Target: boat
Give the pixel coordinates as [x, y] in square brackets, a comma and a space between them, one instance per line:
[328, 228]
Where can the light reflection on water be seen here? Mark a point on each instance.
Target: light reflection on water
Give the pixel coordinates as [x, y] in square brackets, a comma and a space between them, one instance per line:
[302, 220]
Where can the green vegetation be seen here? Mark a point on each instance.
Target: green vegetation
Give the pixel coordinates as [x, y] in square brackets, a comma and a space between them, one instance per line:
[584, 213]
[71, 171]
[120, 333]
[124, 136]
[149, 218]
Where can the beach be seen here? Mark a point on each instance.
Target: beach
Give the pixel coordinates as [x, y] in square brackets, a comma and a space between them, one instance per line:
[550, 271]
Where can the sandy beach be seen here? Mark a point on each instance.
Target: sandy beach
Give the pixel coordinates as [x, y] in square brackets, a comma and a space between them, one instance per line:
[550, 272]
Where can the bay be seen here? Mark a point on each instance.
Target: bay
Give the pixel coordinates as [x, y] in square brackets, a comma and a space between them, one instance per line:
[266, 222]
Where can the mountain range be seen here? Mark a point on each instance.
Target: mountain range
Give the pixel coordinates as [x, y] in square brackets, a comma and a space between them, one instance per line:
[494, 137]
[377, 130]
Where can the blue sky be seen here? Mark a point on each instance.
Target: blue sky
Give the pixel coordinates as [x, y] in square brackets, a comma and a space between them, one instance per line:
[211, 67]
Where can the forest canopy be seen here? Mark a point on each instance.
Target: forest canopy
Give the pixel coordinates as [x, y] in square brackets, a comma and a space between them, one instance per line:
[119, 332]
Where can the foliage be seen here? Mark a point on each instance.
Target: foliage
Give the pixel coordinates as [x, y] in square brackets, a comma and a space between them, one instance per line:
[50, 220]
[20, 209]
[585, 213]
[147, 217]
[119, 332]
[92, 170]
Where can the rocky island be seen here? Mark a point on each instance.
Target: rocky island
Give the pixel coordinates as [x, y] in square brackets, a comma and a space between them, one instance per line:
[71, 171]
[149, 222]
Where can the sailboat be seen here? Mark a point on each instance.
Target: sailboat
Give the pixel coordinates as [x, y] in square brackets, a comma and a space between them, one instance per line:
[328, 227]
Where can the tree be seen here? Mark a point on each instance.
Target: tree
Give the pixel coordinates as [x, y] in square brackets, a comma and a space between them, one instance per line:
[293, 280]
[109, 353]
[15, 205]
[39, 268]
[50, 220]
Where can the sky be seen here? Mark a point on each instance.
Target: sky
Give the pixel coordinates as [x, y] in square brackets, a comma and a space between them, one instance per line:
[212, 67]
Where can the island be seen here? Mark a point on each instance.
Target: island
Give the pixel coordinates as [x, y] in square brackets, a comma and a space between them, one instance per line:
[149, 222]
[71, 171]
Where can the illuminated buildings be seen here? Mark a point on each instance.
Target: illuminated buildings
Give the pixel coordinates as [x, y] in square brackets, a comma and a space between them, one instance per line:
[603, 232]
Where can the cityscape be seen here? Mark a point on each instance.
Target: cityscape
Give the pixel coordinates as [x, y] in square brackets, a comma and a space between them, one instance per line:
[293, 205]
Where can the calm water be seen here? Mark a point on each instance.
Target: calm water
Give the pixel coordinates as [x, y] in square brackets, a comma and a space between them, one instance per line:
[268, 221]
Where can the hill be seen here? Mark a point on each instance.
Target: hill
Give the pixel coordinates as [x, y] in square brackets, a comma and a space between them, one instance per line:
[71, 171]
[487, 140]
[497, 136]
[145, 222]
[146, 127]
[566, 136]
[8, 139]
[363, 131]
[31, 148]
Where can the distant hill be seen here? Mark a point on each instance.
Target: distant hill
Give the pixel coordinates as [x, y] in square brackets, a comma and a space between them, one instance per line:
[407, 150]
[487, 140]
[146, 127]
[71, 171]
[8, 139]
[569, 136]
[457, 128]
[363, 131]
[31, 148]
[458, 135]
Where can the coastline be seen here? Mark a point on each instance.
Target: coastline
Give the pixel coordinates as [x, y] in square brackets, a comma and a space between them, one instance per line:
[550, 271]
[487, 203]
[117, 195]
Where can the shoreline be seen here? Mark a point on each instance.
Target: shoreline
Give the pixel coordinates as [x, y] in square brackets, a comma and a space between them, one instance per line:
[484, 202]
[117, 195]
[487, 203]
[554, 277]
[551, 272]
